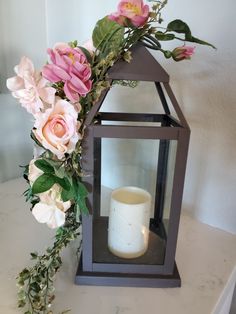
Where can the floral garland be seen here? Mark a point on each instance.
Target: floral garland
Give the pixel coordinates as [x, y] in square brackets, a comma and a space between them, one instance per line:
[59, 97]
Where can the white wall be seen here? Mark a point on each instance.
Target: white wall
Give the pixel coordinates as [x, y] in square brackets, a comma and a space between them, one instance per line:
[205, 87]
[22, 32]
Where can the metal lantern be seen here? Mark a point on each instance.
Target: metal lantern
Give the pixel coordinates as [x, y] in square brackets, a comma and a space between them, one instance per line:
[111, 133]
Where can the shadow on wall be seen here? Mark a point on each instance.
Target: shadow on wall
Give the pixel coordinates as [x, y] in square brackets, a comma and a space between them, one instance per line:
[16, 145]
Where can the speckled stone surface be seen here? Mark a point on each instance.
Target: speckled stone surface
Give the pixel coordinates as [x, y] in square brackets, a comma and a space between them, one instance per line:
[206, 259]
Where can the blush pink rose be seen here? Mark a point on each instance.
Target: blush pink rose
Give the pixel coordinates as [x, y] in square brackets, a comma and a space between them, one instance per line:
[133, 11]
[57, 128]
[182, 53]
[30, 88]
[69, 65]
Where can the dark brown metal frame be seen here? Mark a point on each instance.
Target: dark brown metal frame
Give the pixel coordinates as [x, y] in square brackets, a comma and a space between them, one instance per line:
[165, 275]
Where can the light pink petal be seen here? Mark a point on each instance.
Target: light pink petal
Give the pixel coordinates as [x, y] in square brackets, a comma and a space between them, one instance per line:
[25, 65]
[138, 20]
[89, 46]
[21, 93]
[15, 83]
[47, 94]
[61, 46]
[42, 82]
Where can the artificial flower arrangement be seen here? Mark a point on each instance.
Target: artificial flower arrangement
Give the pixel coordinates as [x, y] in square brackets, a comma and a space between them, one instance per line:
[59, 97]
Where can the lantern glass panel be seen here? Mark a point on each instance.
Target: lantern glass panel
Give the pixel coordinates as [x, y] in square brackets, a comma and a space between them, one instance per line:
[132, 163]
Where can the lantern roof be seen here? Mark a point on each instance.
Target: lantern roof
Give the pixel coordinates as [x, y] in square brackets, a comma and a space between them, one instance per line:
[143, 67]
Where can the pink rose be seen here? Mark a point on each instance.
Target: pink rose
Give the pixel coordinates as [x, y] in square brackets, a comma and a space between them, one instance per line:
[182, 53]
[70, 66]
[30, 88]
[133, 11]
[57, 128]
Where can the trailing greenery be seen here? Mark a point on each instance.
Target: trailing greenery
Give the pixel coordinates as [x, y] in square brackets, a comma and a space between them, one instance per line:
[36, 283]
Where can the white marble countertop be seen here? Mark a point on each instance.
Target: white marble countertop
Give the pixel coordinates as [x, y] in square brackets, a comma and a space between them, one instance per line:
[206, 259]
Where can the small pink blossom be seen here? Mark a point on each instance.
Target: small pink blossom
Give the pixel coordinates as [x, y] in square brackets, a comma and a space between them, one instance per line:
[69, 65]
[57, 128]
[30, 88]
[133, 11]
[182, 53]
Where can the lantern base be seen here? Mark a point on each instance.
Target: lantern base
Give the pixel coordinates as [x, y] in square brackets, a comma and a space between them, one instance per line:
[127, 280]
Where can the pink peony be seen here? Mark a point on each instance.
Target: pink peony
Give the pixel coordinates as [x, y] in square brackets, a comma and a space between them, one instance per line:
[30, 88]
[57, 128]
[182, 53]
[70, 66]
[134, 11]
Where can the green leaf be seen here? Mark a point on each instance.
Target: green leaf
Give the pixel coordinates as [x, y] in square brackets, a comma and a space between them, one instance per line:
[64, 183]
[199, 41]
[21, 303]
[162, 36]
[167, 53]
[107, 35]
[67, 195]
[21, 295]
[44, 166]
[81, 198]
[43, 183]
[179, 26]
[34, 255]
[83, 192]
[35, 287]
[60, 172]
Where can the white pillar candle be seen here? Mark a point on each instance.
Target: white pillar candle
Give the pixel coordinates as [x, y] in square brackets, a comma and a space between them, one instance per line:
[128, 229]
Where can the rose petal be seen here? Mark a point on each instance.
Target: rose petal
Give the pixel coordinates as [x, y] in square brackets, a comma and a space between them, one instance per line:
[42, 212]
[57, 219]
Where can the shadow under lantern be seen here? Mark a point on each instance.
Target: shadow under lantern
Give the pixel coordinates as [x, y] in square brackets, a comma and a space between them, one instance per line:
[162, 137]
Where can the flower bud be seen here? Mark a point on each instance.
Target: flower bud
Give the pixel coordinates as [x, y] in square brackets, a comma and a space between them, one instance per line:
[182, 53]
